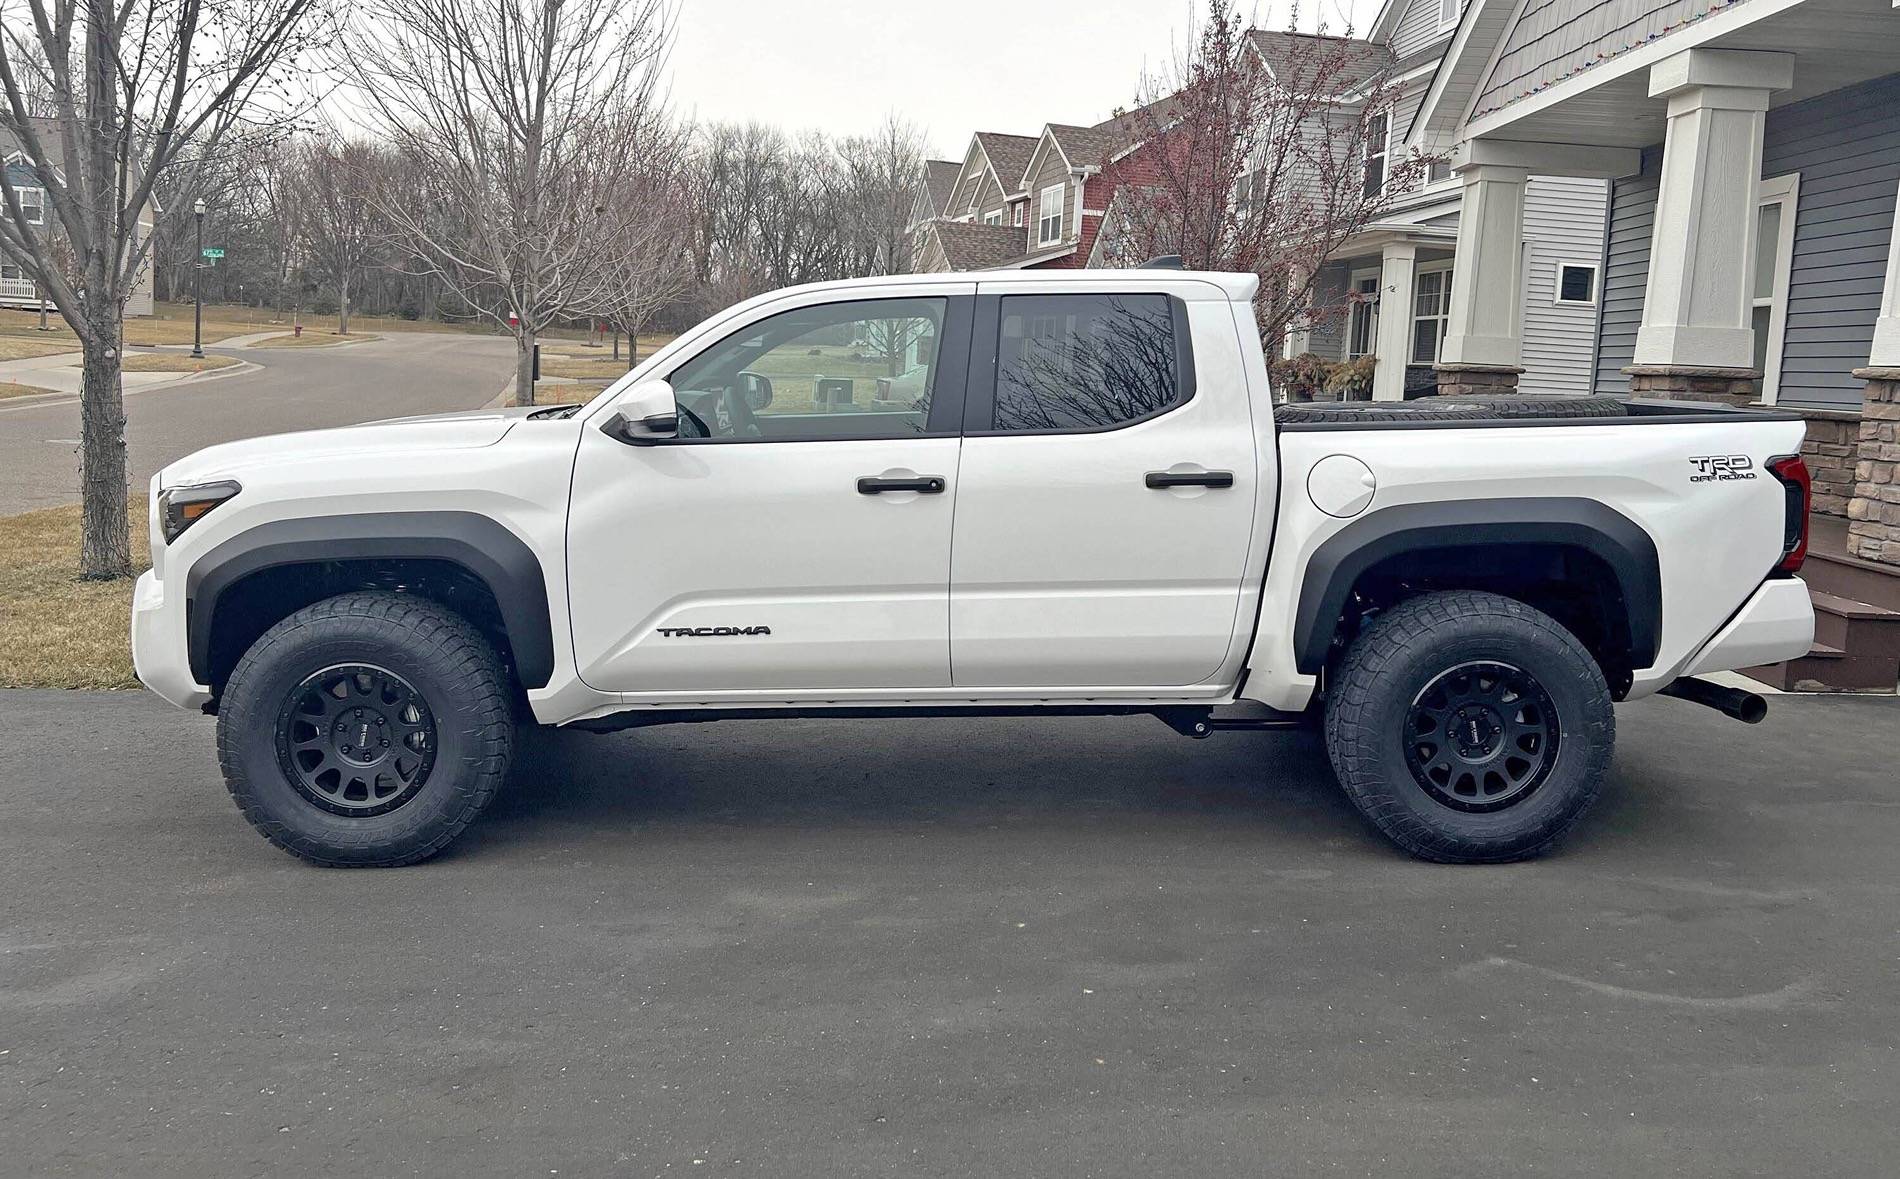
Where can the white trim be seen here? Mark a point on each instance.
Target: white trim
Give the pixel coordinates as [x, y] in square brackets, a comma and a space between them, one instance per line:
[1717, 24]
[1784, 191]
[1437, 265]
[1448, 64]
[1353, 279]
[1062, 213]
[1557, 283]
[1457, 11]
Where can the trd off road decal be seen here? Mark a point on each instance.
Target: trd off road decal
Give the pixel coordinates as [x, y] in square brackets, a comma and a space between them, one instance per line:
[707, 632]
[1720, 468]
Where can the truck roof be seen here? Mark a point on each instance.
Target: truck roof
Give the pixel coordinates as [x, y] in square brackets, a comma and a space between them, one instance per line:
[1238, 287]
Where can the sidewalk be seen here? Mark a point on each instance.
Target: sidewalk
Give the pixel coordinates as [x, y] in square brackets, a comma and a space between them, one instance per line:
[59, 373]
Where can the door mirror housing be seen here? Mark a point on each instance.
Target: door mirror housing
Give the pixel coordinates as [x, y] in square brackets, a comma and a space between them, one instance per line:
[644, 415]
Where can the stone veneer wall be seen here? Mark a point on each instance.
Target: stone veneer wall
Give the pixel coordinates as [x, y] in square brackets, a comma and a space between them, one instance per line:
[1832, 453]
[1873, 530]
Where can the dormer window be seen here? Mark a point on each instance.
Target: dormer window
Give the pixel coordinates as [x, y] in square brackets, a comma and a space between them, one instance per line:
[1049, 219]
[993, 217]
[1376, 132]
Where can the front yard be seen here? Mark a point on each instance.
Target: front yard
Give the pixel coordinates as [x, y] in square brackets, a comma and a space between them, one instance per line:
[57, 631]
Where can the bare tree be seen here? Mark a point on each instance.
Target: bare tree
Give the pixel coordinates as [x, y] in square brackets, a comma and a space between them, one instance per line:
[881, 172]
[104, 98]
[336, 226]
[1263, 169]
[519, 115]
[656, 266]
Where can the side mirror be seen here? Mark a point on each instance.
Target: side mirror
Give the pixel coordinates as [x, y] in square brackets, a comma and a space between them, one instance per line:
[644, 415]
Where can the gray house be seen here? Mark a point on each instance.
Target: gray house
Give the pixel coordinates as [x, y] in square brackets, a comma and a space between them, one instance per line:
[16, 289]
[1753, 149]
[1395, 278]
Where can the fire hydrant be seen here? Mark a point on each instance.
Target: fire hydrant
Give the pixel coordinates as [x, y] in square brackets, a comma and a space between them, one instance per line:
[296, 332]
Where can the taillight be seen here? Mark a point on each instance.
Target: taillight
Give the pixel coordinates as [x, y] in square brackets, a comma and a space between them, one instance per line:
[1798, 492]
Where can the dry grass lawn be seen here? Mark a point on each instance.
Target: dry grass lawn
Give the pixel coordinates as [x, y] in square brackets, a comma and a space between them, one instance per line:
[57, 631]
[313, 340]
[15, 389]
[173, 362]
[18, 348]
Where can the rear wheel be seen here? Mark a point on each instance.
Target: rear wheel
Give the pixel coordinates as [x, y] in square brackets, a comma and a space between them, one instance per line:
[367, 730]
[1469, 728]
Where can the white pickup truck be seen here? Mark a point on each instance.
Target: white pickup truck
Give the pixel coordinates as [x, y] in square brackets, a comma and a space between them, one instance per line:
[964, 495]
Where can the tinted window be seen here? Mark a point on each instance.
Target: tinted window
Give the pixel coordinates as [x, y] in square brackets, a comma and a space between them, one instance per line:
[862, 369]
[1069, 362]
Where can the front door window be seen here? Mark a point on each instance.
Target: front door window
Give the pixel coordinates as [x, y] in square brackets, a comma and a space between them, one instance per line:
[1431, 310]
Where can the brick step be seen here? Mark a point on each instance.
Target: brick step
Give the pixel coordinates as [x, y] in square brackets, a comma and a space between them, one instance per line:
[1856, 627]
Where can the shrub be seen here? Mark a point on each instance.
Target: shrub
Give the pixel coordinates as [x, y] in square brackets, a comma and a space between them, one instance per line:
[1352, 379]
[1302, 377]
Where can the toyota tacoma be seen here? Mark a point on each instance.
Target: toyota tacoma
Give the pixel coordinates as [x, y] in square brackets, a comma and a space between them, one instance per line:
[1066, 493]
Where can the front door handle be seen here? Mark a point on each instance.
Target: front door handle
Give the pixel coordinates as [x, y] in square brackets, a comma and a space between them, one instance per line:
[878, 484]
[1161, 479]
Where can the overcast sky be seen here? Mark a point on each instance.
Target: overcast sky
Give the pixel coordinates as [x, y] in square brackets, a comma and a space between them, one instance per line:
[951, 68]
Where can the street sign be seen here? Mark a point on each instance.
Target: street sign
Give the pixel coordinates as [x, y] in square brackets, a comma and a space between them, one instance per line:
[213, 252]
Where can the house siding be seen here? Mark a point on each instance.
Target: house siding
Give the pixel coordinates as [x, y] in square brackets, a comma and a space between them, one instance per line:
[1554, 39]
[1563, 222]
[1416, 29]
[1845, 146]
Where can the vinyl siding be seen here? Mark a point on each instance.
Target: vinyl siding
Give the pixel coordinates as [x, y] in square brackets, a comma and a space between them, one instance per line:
[1563, 222]
[1554, 39]
[1846, 148]
[1329, 291]
[1404, 107]
[1417, 28]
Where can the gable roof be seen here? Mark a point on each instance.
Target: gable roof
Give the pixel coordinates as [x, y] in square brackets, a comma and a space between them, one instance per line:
[940, 182]
[1480, 27]
[1350, 62]
[968, 245]
[1008, 156]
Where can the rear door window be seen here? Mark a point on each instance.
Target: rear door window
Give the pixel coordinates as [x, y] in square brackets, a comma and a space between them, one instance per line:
[1075, 363]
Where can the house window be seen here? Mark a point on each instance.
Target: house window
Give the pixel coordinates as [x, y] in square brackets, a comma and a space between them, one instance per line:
[1049, 219]
[993, 217]
[1768, 304]
[33, 204]
[1447, 14]
[1576, 283]
[1362, 320]
[1431, 309]
[1016, 213]
[1376, 133]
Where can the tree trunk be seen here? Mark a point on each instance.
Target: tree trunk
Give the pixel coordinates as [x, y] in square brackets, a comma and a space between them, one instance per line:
[105, 543]
[524, 365]
[616, 343]
[343, 308]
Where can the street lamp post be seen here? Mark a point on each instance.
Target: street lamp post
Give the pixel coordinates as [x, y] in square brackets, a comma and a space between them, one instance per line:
[198, 287]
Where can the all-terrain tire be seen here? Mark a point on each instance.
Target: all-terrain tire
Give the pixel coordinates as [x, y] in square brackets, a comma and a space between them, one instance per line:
[450, 668]
[1393, 675]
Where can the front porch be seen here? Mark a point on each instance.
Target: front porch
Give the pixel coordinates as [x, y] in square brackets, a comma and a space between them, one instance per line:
[1751, 257]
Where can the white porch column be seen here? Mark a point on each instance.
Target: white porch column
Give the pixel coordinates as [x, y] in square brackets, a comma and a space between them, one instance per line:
[1484, 333]
[1396, 264]
[1696, 337]
[1886, 352]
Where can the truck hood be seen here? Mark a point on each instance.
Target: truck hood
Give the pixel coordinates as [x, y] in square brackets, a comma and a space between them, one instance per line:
[447, 431]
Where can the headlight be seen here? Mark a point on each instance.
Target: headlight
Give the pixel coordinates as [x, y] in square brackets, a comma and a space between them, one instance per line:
[181, 507]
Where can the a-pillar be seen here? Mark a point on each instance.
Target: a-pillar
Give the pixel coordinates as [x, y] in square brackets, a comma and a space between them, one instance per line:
[1697, 339]
[1397, 263]
[1484, 330]
[1873, 515]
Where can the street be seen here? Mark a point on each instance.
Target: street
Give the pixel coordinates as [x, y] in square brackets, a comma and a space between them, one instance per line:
[993, 947]
[298, 389]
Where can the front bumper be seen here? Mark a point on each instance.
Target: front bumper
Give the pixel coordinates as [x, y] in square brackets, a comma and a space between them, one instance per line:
[160, 654]
[1775, 624]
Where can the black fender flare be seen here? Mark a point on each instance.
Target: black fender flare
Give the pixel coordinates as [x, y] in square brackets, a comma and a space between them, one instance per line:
[1604, 532]
[483, 547]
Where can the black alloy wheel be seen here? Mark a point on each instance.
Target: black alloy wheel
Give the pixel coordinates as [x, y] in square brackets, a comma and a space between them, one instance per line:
[1481, 737]
[356, 739]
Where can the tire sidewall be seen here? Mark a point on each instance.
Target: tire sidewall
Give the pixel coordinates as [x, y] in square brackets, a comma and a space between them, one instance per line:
[257, 693]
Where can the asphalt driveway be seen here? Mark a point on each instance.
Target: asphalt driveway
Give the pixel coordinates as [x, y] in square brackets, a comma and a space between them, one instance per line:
[297, 389]
[1054, 947]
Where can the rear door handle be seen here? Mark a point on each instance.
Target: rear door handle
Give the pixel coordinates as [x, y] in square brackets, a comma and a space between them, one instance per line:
[1162, 479]
[878, 484]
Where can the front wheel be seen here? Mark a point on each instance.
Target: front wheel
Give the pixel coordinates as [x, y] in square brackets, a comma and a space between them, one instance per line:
[367, 730]
[1469, 728]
